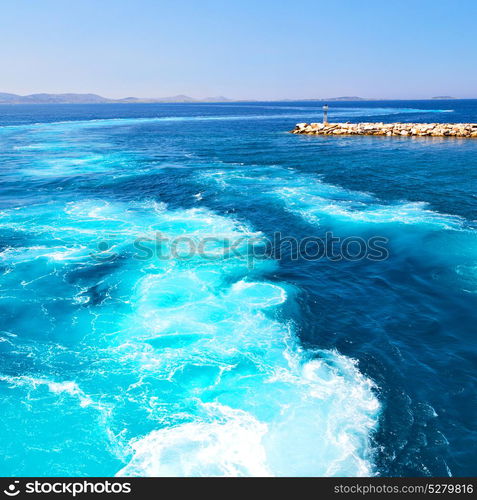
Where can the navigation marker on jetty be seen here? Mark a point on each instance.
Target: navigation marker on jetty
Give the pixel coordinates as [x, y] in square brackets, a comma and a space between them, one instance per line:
[325, 114]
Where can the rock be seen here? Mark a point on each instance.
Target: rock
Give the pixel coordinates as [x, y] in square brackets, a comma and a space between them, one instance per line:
[389, 129]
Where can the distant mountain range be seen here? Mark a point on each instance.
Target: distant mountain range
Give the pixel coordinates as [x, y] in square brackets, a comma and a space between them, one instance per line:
[94, 99]
[346, 98]
[6, 98]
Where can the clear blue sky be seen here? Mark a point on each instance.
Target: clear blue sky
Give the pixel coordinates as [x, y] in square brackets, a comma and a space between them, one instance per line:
[261, 49]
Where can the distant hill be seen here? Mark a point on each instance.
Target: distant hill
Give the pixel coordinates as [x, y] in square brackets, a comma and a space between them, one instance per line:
[51, 99]
[346, 98]
[6, 98]
[319, 99]
[176, 98]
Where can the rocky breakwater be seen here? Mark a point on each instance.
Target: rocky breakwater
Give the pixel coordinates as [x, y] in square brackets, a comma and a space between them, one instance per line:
[389, 129]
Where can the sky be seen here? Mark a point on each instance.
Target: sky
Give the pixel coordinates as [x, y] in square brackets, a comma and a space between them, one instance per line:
[242, 49]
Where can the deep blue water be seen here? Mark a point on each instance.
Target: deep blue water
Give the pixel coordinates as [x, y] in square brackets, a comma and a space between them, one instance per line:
[225, 363]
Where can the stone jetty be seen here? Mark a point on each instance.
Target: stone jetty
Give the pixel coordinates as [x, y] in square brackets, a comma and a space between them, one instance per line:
[389, 129]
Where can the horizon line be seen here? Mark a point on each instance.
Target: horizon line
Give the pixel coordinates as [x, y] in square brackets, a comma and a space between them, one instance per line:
[93, 98]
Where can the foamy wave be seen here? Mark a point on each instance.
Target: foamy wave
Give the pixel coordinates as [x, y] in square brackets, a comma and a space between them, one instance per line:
[203, 352]
[313, 207]
[317, 202]
[320, 428]
[32, 383]
[229, 444]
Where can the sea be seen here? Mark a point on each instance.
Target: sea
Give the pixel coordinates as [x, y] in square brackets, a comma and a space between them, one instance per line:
[190, 290]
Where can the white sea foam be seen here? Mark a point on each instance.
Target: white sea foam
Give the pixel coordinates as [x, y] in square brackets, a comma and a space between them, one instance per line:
[314, 207]
[199, 346]
[320, 427]
[317, 201]
[54, 253]
[228, 443]
[32, 383]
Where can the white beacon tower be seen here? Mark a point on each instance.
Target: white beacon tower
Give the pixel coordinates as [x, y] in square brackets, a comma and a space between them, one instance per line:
[325, 114]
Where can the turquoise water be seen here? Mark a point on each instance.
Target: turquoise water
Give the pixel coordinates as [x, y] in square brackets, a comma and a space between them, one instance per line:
[115, 361]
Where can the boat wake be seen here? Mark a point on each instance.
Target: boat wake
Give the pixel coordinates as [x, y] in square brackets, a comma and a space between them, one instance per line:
[193, 350]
